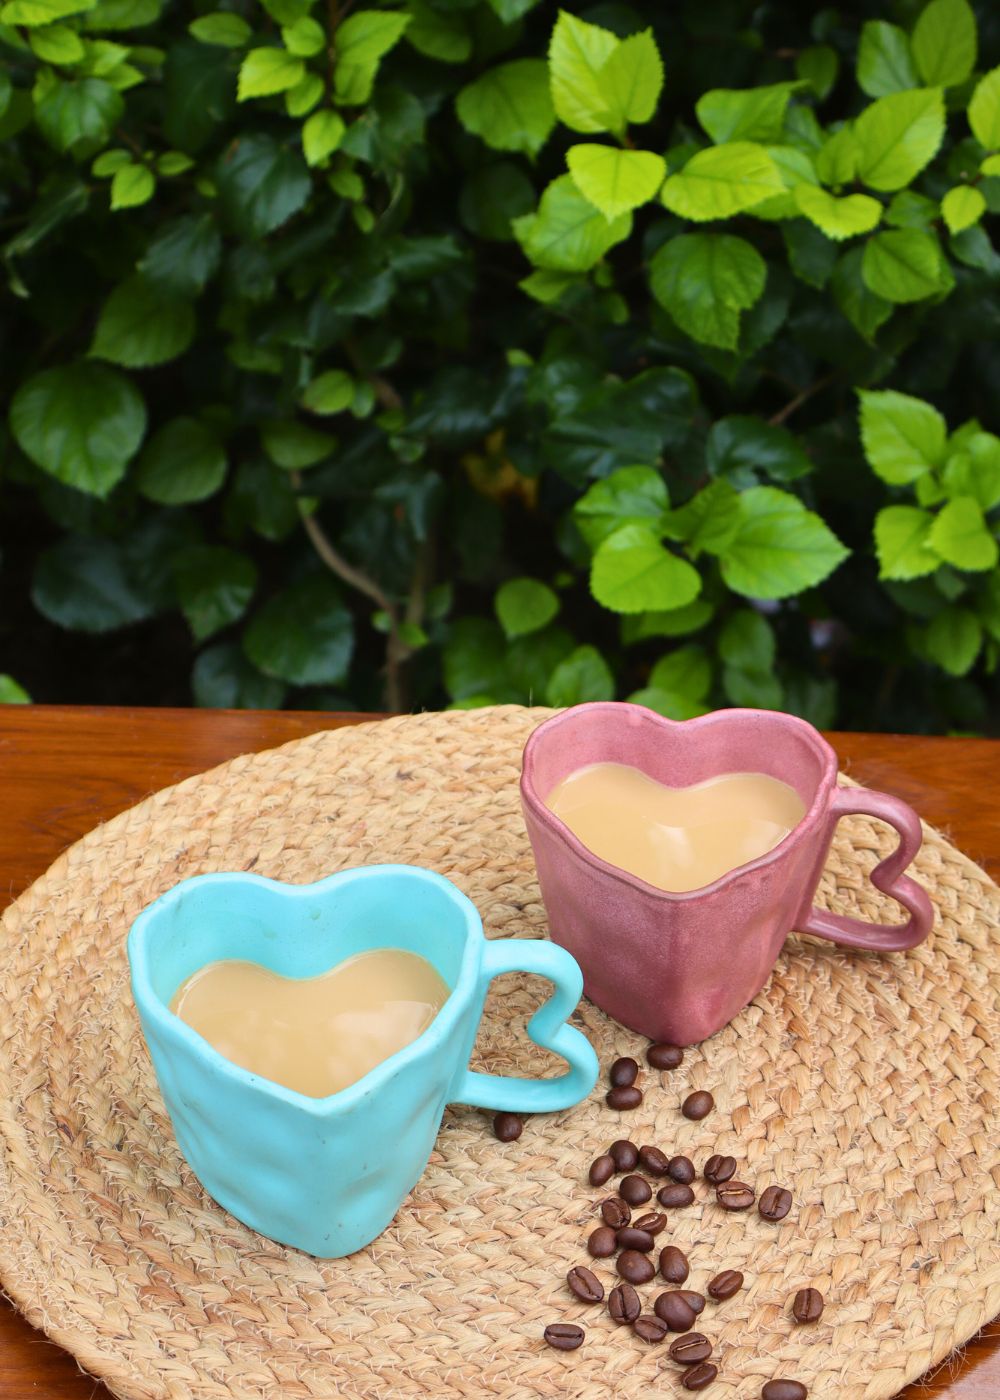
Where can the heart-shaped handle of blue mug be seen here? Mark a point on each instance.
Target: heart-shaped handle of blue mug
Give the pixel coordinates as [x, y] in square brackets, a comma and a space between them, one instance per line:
[547, 1028]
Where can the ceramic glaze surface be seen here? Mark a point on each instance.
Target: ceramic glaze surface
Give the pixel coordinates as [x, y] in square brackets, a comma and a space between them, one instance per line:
[328, 1174]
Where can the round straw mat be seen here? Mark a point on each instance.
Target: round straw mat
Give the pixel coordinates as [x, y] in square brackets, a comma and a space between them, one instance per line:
[867, 1084]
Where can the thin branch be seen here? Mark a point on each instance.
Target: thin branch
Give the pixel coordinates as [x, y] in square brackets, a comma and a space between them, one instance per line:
[778, 418]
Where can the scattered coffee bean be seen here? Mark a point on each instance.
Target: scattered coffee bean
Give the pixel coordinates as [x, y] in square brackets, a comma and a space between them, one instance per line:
[634, 1238]
[615, 1212]
[698, 1105]
[624, 1154]
[775, 1203]
[664, 1056]
[698, 1377]
[724, 1285]
[784, 1390]
[674, 1266]
[676, 1311]
[695, 1301]
[635, 1267]
[602, 1243]
[602, 1169]
[735, 1195]
[564, 1336]
[652, 1223]
[507, 1127]
[623, 1072]
[587, 1286]
[674, 1195]
[718, 1169]
[807, 1305]
[623, 1303]
[650, 1329]
[654, 1161]
[627, 1096]
[681, 1169]
[690, 1348]
[635, 1190]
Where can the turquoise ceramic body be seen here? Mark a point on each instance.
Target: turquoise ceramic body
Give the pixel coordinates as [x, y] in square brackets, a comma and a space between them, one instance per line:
[327, 1175]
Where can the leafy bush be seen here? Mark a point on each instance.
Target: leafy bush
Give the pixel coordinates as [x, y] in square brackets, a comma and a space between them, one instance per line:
[471, 350]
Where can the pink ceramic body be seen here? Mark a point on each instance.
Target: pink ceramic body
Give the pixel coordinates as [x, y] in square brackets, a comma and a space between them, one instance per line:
[677, 967]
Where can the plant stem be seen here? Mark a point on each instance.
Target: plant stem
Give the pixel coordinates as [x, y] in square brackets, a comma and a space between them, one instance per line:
[778, 418]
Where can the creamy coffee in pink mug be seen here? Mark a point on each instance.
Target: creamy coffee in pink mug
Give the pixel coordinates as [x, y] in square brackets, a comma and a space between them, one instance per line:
[678, 966]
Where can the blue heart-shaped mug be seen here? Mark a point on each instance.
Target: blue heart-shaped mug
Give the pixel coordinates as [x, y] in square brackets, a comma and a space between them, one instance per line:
[328, 1174]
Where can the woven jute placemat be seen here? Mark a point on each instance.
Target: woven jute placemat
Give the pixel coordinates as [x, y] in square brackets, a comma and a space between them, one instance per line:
[868, 1084]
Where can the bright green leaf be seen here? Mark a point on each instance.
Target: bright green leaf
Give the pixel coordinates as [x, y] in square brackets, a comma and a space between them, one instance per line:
[909, 209]
[321, 135]
[629, 496]
[227, 30]
[781, 548]
[962, 537]
[525, 605]
[13, 694]
[633, 572]
[31, 12]
[267, 71]
[363, 40]
[330, 392]
[438, 34]
[304, 635]
[183, 462]
[684, 671]
[173, 163]
[615, 181]
[678, 622]
[990, 166]
[132, 185]
[897, 136]
[962, 207]
[705, 281]
[577, 54]
[903, 265]
[631, 80]
[749, 114]
[838, 218]
[567, 234]
[56, 43]
[305, 37]
[582, 677]
[837, 160]
[944, 42]
[984, 110]
[108, 162]
[975, 471]
[903, 437]
[722, 181]
[509, 107]
[708, 521]
[818, 66]
[667, 702]
[885, 63]
[302, 98]
[139, 326]
[953, 639]
[295, 446]
[902, 542]
[214, 587]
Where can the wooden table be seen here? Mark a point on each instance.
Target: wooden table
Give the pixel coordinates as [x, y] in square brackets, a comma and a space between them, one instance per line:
[66, 769]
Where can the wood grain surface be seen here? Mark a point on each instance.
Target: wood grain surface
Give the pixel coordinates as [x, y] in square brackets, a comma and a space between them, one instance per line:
[65, 769]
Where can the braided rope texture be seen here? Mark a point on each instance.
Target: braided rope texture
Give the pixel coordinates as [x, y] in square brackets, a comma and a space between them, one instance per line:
[868, 1084]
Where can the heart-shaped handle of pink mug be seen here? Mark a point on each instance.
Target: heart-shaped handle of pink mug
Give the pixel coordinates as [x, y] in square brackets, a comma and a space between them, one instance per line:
[887, 876]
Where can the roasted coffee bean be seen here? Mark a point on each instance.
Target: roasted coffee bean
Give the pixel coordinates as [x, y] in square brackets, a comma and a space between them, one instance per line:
[718, 1169]
[602, 1243]
[624, 1154]
[698, 1377]
[650, 1329]
[652, 1223]
[628, 1096]
[587, 1286]
[623, 1303]
[564, 1336]
[623, 1072]
[690, 1348]
[634, 1238]
[698, 1105]
[783, 1390]
[674, 1195]
[724, 1285]
[653, 1161]
[635, 1190]
[615, 1212]
[807, 1305]
[507, 1127]
[676, 1311]
[681, 1169]
[735, 1195]
[673, 1264]
[695, 1301]
[602, 1169]
[775, 1203]
[635, 1267]
[664, 1056]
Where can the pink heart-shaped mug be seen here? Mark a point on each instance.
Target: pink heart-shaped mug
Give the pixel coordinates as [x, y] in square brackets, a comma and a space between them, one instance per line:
[677, 967]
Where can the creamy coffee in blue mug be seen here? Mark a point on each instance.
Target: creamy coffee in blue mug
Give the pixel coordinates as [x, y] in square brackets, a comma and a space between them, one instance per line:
[328, 1174]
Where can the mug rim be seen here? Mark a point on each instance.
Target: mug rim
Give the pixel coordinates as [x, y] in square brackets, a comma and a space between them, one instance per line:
[173, 1028]
[548, 818]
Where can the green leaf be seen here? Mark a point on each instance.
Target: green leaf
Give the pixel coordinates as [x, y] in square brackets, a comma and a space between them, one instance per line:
[56, 43]
[984, 110]
[818, 66]
[199, 94]
[837, 161]
[13, 694]
[173, 163]
[708, 521]
[747, 641]
[214, 587]
[811, 255]
[838, 218]
[758, 690]
[962, 207]
[81, 423]
[902, 265]
[685, 671]
[363, 40]
[182, 462]
[666, 702]
[897, 136]
[961, 536]
[577, 54]
[525, 605]
[227, 30]
[632, 572]
[750, 114]
[990, 166]
[885, 64]
[567, 234]
[722, 181]
[302, 98]
[223, 678]
[31, 12]
[437, 34]
[87, 585]
[267, 71]
[304, 636]
[509, 107]
[902, 542]
[330, 392]
[261, 185]
[975, 471]
[295, 446]
[491, 197]
[908, 209]
[945, 42]
[903, 437]
[321, 135]
[629, 496]
[183, 256]
[632, 80]
[582, 677]
[705, 281]
[79, 116]
[678, 622]
[139, 326]
[304, 37]
[261, 498]
[108, 162]
[740, 447]
[474, 658]
[781, 548]
[615, 181]
[795, 168]
[953, 639]
[865, 310]
[132, 185]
